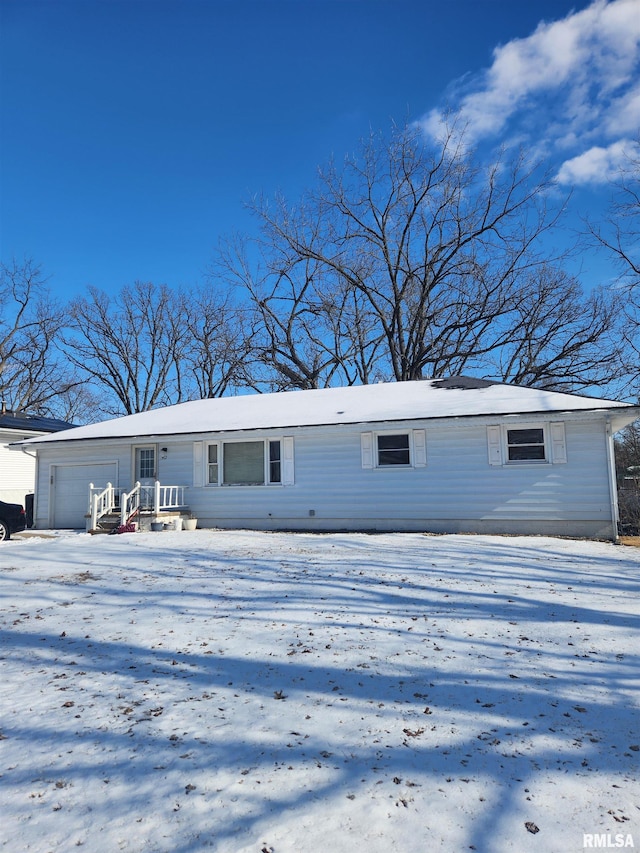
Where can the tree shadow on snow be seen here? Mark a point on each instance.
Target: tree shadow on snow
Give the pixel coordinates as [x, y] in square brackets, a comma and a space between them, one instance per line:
[442, 676]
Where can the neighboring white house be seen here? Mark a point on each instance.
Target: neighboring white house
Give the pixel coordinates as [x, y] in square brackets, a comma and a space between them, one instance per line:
[18, 470]
[451, 455]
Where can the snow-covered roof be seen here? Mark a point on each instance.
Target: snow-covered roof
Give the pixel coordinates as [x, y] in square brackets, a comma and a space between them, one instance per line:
[22, 422]
[454, 397]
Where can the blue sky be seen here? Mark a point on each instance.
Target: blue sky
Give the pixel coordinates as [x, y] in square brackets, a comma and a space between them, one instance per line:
[133, 131]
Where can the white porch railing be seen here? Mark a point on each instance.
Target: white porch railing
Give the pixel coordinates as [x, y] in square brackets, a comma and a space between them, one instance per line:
[153, 499]
[129, 504]
[100, 503]
[157, 498]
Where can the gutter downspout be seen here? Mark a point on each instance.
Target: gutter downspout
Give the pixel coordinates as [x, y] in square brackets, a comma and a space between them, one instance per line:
[613, 485]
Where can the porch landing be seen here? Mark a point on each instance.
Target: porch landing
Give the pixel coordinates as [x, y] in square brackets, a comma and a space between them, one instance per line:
[110, 522]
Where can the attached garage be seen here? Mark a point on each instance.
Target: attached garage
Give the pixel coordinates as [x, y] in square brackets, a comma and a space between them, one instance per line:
[70, 490]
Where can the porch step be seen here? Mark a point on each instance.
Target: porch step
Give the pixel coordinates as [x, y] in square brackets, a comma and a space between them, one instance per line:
[108, 523]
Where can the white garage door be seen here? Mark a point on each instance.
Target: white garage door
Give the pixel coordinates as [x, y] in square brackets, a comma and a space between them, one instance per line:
[71, 490]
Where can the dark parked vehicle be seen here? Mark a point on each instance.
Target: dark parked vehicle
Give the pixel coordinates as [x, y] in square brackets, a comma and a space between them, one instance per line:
[12, 520]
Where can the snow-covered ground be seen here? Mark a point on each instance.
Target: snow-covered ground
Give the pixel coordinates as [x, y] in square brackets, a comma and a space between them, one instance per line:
[334, 693]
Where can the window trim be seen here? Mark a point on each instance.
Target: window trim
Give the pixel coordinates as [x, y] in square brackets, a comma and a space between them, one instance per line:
[209, 464]
[370, 450]
[554, 443]
[273, 463]
[266, 460]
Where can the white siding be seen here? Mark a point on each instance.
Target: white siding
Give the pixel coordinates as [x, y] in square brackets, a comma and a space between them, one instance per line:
[458, 490]
[458, 487]
[17, 477]
[77, 455]
[17, 469]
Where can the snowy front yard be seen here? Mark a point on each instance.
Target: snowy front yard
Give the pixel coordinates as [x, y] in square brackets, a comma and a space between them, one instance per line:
[318, 694]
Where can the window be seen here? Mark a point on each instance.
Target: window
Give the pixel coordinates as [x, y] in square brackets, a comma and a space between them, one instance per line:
[393, 449]
[526, 445]
[145, 463]
[212, 465]
[243, 463]
[246, 463]
[530, 444]
[275, 468]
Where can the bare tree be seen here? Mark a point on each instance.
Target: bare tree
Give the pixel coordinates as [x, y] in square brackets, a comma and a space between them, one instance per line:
[131, 346]
[406, 263]
[619, 232]
[217, 351]
[412, 261]
[557, 337]
[78, 404]
[33, 374]
[299, 332]
[627, 454]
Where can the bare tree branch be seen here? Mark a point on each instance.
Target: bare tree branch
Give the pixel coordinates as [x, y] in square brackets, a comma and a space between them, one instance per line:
[33, 373]
[132, 346]
[411, 261]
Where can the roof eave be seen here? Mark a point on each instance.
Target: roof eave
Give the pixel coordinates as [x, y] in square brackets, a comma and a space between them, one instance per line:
[621, 418]
[618, 417]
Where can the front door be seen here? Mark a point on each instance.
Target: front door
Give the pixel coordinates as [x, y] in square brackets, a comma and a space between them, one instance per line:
[146, 471]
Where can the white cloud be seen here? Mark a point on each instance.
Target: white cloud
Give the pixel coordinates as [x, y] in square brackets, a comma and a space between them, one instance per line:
[598, 165]
[571, 84]
[624, 113]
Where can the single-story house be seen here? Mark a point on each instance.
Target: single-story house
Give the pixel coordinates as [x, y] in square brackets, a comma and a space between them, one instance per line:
[18, 470]
[450, 455]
